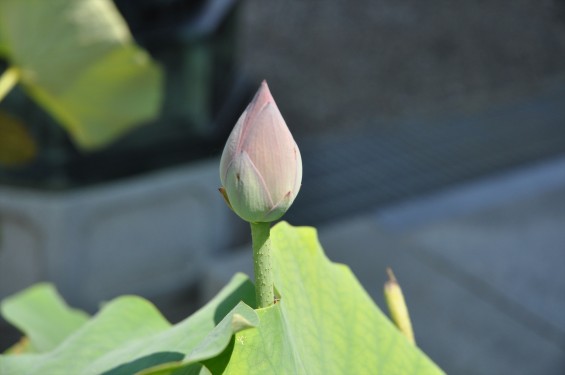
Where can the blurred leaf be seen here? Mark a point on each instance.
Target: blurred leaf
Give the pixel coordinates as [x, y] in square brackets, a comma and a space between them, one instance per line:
[17, 146]
[8, 79]
[43, 316]
[22, 346]
[3, 47]
[78, 59]
[130, 328]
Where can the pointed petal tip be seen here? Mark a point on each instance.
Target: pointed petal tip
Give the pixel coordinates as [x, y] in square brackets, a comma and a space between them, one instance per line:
[264, 86]
[263, 95]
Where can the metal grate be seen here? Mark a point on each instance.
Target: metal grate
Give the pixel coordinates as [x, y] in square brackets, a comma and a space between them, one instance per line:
[351, 172]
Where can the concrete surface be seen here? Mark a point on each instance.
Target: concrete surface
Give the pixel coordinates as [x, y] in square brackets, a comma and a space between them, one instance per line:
[481, 266]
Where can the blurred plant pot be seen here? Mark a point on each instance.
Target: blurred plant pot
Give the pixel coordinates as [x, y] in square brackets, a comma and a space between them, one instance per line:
[195, 43]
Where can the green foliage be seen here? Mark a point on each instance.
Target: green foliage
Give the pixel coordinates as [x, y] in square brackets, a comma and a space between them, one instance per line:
[43, 315]
[129, 328]
[78, 60]
[324, 323]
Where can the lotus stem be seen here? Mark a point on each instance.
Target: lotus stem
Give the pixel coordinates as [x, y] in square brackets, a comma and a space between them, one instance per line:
[260, 236]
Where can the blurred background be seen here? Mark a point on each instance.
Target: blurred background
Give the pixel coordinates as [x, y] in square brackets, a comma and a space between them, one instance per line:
[433, 141]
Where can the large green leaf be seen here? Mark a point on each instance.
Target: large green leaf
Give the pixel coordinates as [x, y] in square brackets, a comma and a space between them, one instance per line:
[42, 315]
[129, 330]
[214, 345]
[78, 59]
[325, 322]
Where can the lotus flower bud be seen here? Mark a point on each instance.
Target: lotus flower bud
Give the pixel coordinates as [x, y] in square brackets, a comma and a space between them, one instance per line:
[261, 167]
[397, 306]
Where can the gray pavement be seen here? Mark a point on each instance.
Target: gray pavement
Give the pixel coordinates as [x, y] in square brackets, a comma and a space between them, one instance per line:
[481, 266]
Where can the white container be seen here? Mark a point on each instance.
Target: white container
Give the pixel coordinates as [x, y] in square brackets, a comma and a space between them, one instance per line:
[147, 235]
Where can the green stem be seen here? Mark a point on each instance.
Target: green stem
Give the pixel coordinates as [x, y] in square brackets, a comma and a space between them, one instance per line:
[260, 235]
[8, 80]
